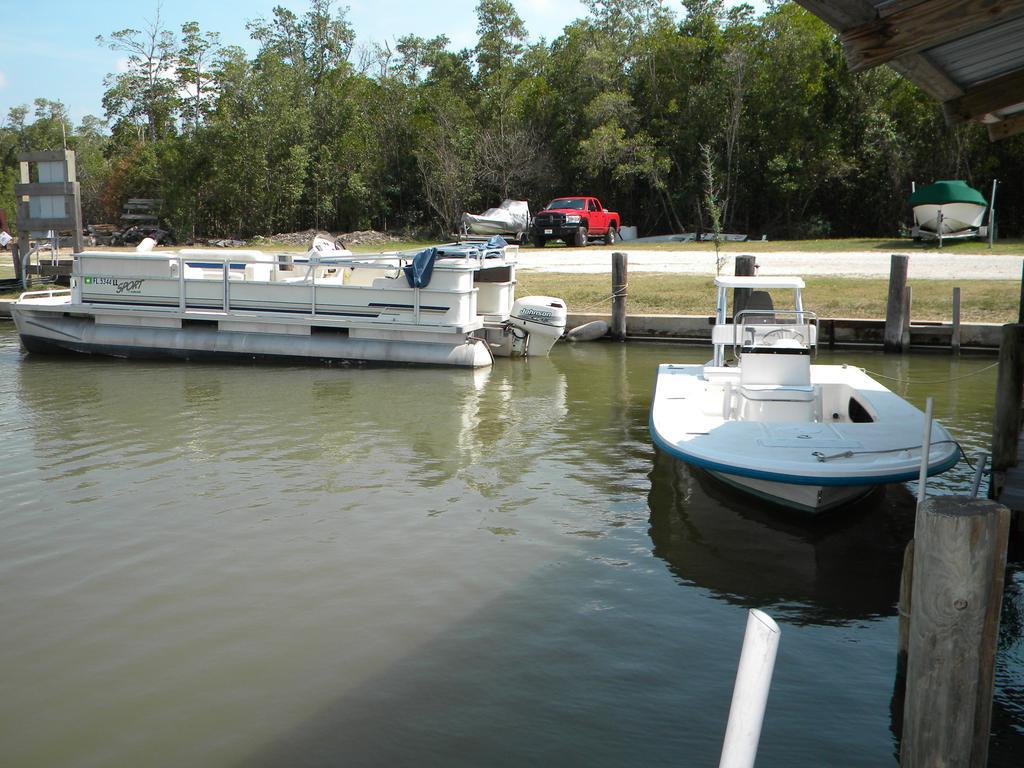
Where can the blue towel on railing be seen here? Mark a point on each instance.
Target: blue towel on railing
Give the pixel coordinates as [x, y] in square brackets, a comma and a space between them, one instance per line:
[494, 248]
[418, 273]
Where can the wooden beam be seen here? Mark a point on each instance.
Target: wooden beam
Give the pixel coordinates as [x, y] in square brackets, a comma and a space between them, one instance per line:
[909, 26]
[67, 224]
[840, 14]
[926, 76]
[990, 96]
[58, 189]
[1005, 128]
[44, 156]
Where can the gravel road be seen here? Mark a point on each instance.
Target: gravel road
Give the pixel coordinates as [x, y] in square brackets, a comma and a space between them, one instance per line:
[923, 266]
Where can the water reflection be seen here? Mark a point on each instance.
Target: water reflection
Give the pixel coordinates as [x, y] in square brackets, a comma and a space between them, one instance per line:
[395, 566]
[830, 570]
[443, 425]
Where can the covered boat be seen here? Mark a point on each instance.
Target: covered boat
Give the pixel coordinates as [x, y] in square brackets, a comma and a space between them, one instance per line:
[948, 209]
[448, 305]
[511, 219]
[809, 437]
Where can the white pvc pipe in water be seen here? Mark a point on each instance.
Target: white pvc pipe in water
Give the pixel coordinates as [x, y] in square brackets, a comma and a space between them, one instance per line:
[926, 452]
[750, 695]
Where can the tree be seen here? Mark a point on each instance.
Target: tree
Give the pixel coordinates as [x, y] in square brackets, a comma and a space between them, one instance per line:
[511, 161]
[501, 38]
[195, 73]
[315, 44]
[446, 159]
[143, 99]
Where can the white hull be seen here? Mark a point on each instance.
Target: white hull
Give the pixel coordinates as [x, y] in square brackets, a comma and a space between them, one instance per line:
[269, 341]
[511, 218]
[805, 498]
[201, 305]
[480, 226]
[813, 460]
[808, 455]
[956, 218]
[811, 437]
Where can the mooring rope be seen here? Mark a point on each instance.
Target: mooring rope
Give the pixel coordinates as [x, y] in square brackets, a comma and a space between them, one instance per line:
[614, 295]
[930, 381]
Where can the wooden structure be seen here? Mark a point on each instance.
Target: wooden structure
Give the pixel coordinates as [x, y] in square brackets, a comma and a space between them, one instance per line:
[620, 288]
[746, 266]
[1007, 476]
[897, 310]
[964, 53]
[958, 565]
[141, 210]
[48, 200]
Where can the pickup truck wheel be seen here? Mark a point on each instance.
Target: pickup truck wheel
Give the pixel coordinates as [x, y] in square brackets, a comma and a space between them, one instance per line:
[538, 241]
[609, 236]
[580, 239]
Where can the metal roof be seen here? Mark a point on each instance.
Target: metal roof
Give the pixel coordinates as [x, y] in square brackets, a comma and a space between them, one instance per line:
[986, 54]
[968, 54]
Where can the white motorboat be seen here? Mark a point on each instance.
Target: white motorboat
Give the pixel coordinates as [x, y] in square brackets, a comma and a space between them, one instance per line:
[449, 305]
[511, 219]
[810, 437]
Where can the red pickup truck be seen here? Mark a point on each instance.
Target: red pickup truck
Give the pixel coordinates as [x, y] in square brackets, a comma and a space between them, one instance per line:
[575, 220]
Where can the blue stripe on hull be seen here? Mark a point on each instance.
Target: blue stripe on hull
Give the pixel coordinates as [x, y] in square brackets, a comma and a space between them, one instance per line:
[778, 477]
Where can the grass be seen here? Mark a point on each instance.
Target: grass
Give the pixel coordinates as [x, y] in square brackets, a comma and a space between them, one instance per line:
[982, 301]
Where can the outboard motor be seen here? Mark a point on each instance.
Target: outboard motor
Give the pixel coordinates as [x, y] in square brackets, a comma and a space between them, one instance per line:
[537, 322]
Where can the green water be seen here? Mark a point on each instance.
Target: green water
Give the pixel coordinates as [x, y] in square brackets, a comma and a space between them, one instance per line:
[212, 565]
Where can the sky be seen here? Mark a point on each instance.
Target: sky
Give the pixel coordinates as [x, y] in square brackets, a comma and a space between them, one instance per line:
[67, 64]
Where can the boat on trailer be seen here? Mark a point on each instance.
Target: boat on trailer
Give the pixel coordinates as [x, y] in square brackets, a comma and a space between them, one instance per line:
[448, 305]
[948, 210]
[808, 437]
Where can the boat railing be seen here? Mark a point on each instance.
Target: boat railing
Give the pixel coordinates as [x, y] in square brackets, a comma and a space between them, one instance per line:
[766, 327]
[215, 280]
[47, 294]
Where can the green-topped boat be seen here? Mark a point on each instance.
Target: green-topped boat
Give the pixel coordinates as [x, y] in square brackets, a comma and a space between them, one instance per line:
[948, 209]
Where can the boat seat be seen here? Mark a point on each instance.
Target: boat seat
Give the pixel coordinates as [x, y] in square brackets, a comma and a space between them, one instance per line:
[775, 392]
[765, 372]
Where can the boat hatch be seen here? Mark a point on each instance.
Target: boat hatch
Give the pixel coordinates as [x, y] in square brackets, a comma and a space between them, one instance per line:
[858, 413]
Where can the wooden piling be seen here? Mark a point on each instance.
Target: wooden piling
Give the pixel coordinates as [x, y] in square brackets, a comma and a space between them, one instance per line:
[907, 307]
[954, 339]
[16, 256]
[899, 694]
[1007, 420]
[905, 605]
[746, 266]
[896, 304]
[959, 564]
[1020, 306]
[620, 283]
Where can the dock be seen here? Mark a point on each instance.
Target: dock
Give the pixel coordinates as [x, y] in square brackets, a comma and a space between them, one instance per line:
[833, 333]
